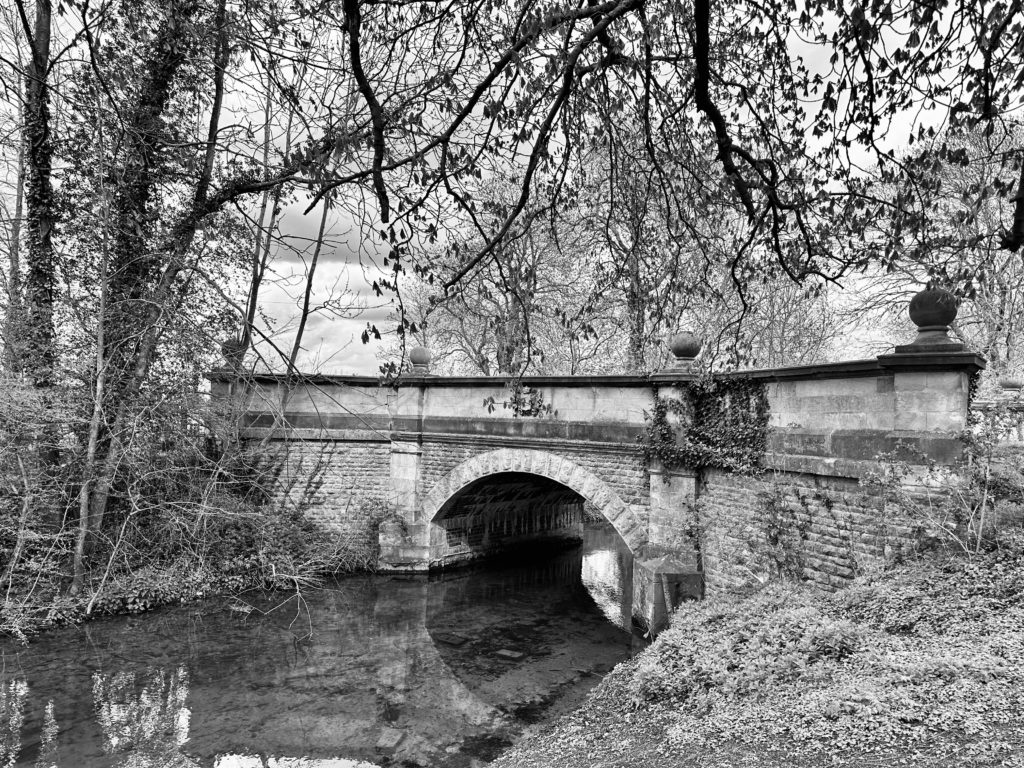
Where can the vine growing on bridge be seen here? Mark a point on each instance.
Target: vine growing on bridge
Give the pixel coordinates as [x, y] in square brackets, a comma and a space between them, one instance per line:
[720, 423]
[523, 400]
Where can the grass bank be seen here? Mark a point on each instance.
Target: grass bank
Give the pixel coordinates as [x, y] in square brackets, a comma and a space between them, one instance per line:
[922, 665]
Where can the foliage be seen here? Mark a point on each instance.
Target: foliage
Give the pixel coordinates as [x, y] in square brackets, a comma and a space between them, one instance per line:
[522, 400]
[240, 549]
[945, 232]
[529, 310]
[746, 645]
[782, 530]
[148, 587]
[925, 657]
[970, 504]
[195, 517]
[721, 422]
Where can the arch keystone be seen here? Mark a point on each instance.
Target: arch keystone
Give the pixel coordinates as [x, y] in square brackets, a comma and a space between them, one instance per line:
[520, 460]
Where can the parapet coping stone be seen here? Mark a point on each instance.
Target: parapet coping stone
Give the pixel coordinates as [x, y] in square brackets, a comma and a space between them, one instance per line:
[918, 361]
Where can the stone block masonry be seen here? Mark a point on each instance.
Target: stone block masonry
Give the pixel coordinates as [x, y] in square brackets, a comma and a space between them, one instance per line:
[809, 515]
[821, 529]
[617, 466]
[342, 486]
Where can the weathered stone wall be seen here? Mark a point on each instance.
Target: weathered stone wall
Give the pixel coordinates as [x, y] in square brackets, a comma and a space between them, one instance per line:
[825, 530]
[541, 468]
[621, 469]
[440, 458]
[670, 519]
[809, 515]
[343, 486]
[838, 426]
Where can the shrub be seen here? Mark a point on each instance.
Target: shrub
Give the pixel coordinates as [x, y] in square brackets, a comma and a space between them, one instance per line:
[925, 659]
[734, 646]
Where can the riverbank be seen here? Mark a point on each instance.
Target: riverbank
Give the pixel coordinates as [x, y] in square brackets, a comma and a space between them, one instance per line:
[919, 666]
[143, 569]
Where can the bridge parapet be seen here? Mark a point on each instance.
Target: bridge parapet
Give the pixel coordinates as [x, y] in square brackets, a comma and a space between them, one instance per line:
[591, 408]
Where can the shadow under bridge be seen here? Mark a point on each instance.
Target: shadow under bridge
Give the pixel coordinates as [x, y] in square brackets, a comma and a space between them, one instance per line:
[506, 514]
[515, 516]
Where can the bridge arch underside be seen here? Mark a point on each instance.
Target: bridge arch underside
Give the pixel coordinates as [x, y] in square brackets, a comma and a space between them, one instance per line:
[503, 513]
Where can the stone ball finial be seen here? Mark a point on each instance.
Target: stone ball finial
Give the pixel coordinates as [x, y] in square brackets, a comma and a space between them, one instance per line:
[234, 350]
[934, 307]
[685, 346]
[420, 359]
[932, 311]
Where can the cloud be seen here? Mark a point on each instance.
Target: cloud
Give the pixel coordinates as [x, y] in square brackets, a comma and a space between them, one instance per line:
[342, 297]
[342, 302]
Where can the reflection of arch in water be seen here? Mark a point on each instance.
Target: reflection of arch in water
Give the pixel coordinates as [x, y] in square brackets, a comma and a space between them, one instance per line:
[370, 675]
[607, 574]
[506, 497]
[541, 613]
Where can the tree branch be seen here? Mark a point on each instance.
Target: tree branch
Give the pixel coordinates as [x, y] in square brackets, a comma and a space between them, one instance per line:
[353, 20]
[702, 96]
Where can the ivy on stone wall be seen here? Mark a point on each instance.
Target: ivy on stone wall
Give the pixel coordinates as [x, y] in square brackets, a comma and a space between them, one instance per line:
[783, 526]
[720, 423]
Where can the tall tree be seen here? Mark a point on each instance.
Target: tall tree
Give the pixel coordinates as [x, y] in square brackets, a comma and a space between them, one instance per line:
[37, 354]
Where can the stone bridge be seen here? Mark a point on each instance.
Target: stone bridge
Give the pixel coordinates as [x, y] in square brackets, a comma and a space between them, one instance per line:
[467, 467]
[470, 467]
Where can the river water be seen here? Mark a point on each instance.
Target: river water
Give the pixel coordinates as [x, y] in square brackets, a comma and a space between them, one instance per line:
[372, 670]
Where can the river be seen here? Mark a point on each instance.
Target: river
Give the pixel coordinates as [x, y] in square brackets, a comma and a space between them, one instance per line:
[375, 670]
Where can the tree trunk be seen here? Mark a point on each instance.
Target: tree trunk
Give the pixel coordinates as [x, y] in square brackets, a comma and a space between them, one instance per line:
[14, 322]
[135, 265]
[34, 352]
[160, 299]
[1013, 238]
[37, 356]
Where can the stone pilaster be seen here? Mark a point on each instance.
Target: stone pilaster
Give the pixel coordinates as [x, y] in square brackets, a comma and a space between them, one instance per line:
[673, 494]
[405, 479]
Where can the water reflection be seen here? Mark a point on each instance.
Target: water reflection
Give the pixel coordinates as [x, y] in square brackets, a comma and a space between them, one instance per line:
[143, 715]
[444, 672]
[607, 574]
[48, 739]
[12, 716]
[253, 761]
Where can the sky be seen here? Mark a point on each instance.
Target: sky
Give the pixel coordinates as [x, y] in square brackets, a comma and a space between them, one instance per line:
[345, 271]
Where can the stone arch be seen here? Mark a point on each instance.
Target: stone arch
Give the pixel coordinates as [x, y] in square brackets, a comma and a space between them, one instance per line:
[623, 517]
